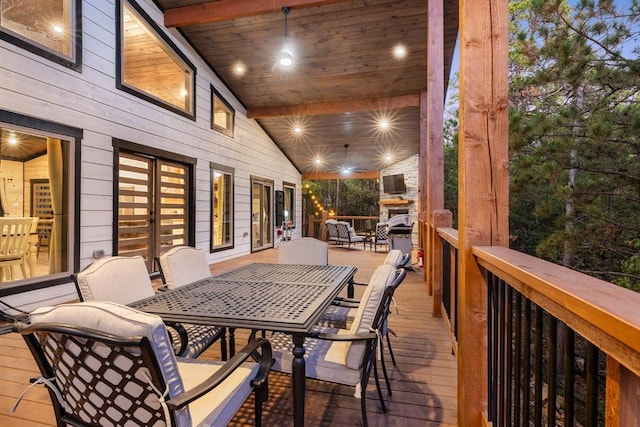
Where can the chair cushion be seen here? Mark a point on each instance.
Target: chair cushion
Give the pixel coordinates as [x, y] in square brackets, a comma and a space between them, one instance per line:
[183, 265]
[219, 406]
[117, 279]
[363, 320]
[394, 257]
[119, 320]
[324, 360]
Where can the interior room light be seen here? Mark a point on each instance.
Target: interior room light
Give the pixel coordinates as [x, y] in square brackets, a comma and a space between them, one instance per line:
[286, 57]
[388, 157]
[384, 124]
[297, 129]
[317, 161]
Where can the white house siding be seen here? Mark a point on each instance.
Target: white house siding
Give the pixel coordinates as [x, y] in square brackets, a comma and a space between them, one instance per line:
[36, 87]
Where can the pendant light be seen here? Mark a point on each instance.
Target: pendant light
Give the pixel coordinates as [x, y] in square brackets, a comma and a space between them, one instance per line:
[286, 57]
[346, 168]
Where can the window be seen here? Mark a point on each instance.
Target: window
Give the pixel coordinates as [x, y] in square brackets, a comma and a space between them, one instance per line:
[38, 163]
[261, 213]
[221, 207]
[151, 67]
[222, 115]
[289, 204]
[154, 195]
[48, 28]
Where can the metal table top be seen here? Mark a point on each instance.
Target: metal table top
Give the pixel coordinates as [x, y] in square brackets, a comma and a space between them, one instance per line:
[281, 297]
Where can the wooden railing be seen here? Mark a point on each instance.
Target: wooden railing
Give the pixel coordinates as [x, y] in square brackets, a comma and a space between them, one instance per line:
[562, 347]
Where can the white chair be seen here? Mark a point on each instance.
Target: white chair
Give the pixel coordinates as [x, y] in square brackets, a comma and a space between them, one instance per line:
[345, 356]
[14, 245]
[124, 280]
[306, 250]
[181, 265]
[107, 364]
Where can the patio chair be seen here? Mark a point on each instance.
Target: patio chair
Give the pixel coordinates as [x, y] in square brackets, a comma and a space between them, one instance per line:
[306, 250]
[181, 265]
[343, 310]
[346, 234]
[124, 280]
[332, 230]
[381, 237]
[107, 364]
[345, 356]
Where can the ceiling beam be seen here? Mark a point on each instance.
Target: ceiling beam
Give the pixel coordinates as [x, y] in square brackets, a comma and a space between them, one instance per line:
[224, 10]
[317, 176]
[323, 108]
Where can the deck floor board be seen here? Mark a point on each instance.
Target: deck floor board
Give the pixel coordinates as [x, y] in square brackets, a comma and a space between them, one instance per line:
[424, 382]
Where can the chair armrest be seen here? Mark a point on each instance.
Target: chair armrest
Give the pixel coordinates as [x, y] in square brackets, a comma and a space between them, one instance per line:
[342, 337]
[250, 350]
[345, 302]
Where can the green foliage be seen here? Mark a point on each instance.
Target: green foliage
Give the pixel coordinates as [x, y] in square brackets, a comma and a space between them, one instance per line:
[354, 197]
[574, 135]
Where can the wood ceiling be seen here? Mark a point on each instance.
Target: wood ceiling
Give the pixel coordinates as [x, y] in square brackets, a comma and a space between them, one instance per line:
[344, 78]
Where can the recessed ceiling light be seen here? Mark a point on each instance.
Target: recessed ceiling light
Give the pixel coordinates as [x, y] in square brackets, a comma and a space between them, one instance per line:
[239, 69]
[317, 161]
[13, 140]
[183, 92]
[384, 124]
[57, 28]
[388, 157]
[399, 51]
[297, 129]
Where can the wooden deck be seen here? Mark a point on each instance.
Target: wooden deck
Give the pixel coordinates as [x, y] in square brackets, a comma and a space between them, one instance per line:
[424, 383]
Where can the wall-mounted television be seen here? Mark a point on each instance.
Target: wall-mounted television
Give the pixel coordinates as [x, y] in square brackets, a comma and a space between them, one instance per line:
[394, 184]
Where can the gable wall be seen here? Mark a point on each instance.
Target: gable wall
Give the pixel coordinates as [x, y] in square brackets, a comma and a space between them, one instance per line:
[36, 87]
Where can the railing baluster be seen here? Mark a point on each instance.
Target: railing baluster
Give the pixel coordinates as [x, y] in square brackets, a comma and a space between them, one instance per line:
[491, 347]
[517, 369]
[569, 376]
[508, 352]
[552, 370]
[591, 371]
[526, 368]
[537, 405]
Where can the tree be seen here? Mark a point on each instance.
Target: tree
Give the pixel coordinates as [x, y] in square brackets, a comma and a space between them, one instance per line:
[574, 135]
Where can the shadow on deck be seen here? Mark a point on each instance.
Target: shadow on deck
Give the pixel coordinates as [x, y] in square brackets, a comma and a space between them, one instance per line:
[424, 382]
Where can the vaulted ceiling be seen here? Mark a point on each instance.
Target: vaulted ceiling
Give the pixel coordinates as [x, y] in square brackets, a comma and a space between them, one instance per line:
[344, 79]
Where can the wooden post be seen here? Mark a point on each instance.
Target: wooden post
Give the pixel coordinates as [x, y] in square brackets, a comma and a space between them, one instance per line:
[433, 133]
[622, 395]
[440, 218]
[323, 228]
[483, 196]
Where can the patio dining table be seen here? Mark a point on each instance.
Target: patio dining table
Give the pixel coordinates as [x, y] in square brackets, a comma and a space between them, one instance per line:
[276, 297]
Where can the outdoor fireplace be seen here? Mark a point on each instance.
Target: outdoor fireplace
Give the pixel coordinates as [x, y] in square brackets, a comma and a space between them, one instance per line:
[397, 211]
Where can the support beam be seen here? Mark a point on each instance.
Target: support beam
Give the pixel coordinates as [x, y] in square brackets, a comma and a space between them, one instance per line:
[434, 131]
[483, 195]
[317, 176]
[224, 10]
[324, 108]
